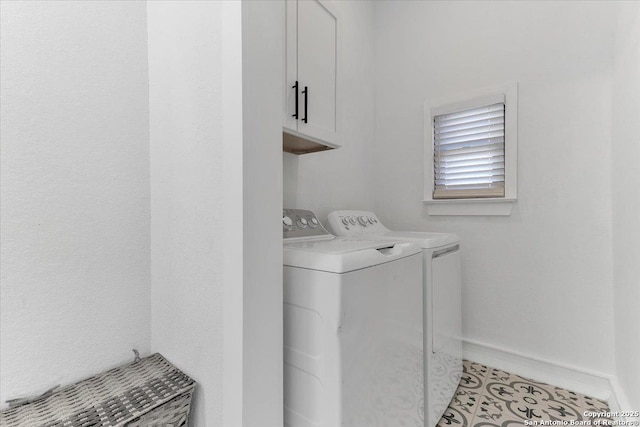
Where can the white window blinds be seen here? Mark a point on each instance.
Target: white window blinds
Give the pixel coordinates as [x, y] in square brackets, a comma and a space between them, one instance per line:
[468, 148]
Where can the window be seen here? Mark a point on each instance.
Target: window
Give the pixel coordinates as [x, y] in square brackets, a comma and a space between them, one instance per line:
[468, 153]
[471, 152]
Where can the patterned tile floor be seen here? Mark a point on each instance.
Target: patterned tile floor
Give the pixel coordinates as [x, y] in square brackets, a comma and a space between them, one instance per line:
[491, 397]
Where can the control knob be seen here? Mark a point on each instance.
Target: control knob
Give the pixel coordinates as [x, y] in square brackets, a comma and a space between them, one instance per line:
[345, 220]
[363, 221]
[313, 222]
[287, 221]
[302, 223]
[352, 220]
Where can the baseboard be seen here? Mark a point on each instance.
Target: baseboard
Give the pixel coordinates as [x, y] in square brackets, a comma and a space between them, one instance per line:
[593, 384]
[619, 402]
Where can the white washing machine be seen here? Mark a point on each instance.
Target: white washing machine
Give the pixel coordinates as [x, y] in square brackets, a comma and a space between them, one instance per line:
[442, 302]
[353, 338]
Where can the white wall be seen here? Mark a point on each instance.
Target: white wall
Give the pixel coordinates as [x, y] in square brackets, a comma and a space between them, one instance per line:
[187, 194]
[537, 282]
[626, 199]
[75, 191]
[216, 172]
[341, 179]
[233, 232]
[263, 35]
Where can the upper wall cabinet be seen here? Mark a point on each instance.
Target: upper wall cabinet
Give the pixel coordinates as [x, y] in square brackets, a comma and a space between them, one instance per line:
[310, 116]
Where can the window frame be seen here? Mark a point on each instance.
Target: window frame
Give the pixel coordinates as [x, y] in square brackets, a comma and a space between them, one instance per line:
[475, 205]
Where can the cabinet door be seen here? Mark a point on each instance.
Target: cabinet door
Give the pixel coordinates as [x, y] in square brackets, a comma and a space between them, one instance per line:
[317, 69]
[291, 66]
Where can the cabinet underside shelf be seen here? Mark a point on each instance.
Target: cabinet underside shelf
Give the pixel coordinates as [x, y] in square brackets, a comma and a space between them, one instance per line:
[297, 145]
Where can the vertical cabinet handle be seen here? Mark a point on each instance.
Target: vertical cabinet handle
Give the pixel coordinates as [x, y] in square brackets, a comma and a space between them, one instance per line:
[295, 86]
[306, 102]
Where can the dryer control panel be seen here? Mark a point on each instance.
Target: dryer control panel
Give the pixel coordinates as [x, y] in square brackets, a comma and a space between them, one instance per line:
[352, 223]
[298, 223]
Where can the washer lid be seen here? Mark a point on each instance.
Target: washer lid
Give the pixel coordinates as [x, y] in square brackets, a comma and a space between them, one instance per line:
[337, 245]
[341, 255]
[424, 239]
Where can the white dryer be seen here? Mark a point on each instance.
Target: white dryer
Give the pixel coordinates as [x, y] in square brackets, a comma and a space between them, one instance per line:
[442, 302]
[352, 328]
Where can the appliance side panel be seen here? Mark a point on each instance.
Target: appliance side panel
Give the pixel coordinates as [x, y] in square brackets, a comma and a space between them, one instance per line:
[444, 365]
[312, 371]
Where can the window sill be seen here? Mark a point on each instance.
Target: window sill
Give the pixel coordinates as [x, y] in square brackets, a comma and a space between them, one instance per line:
[468, 207]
